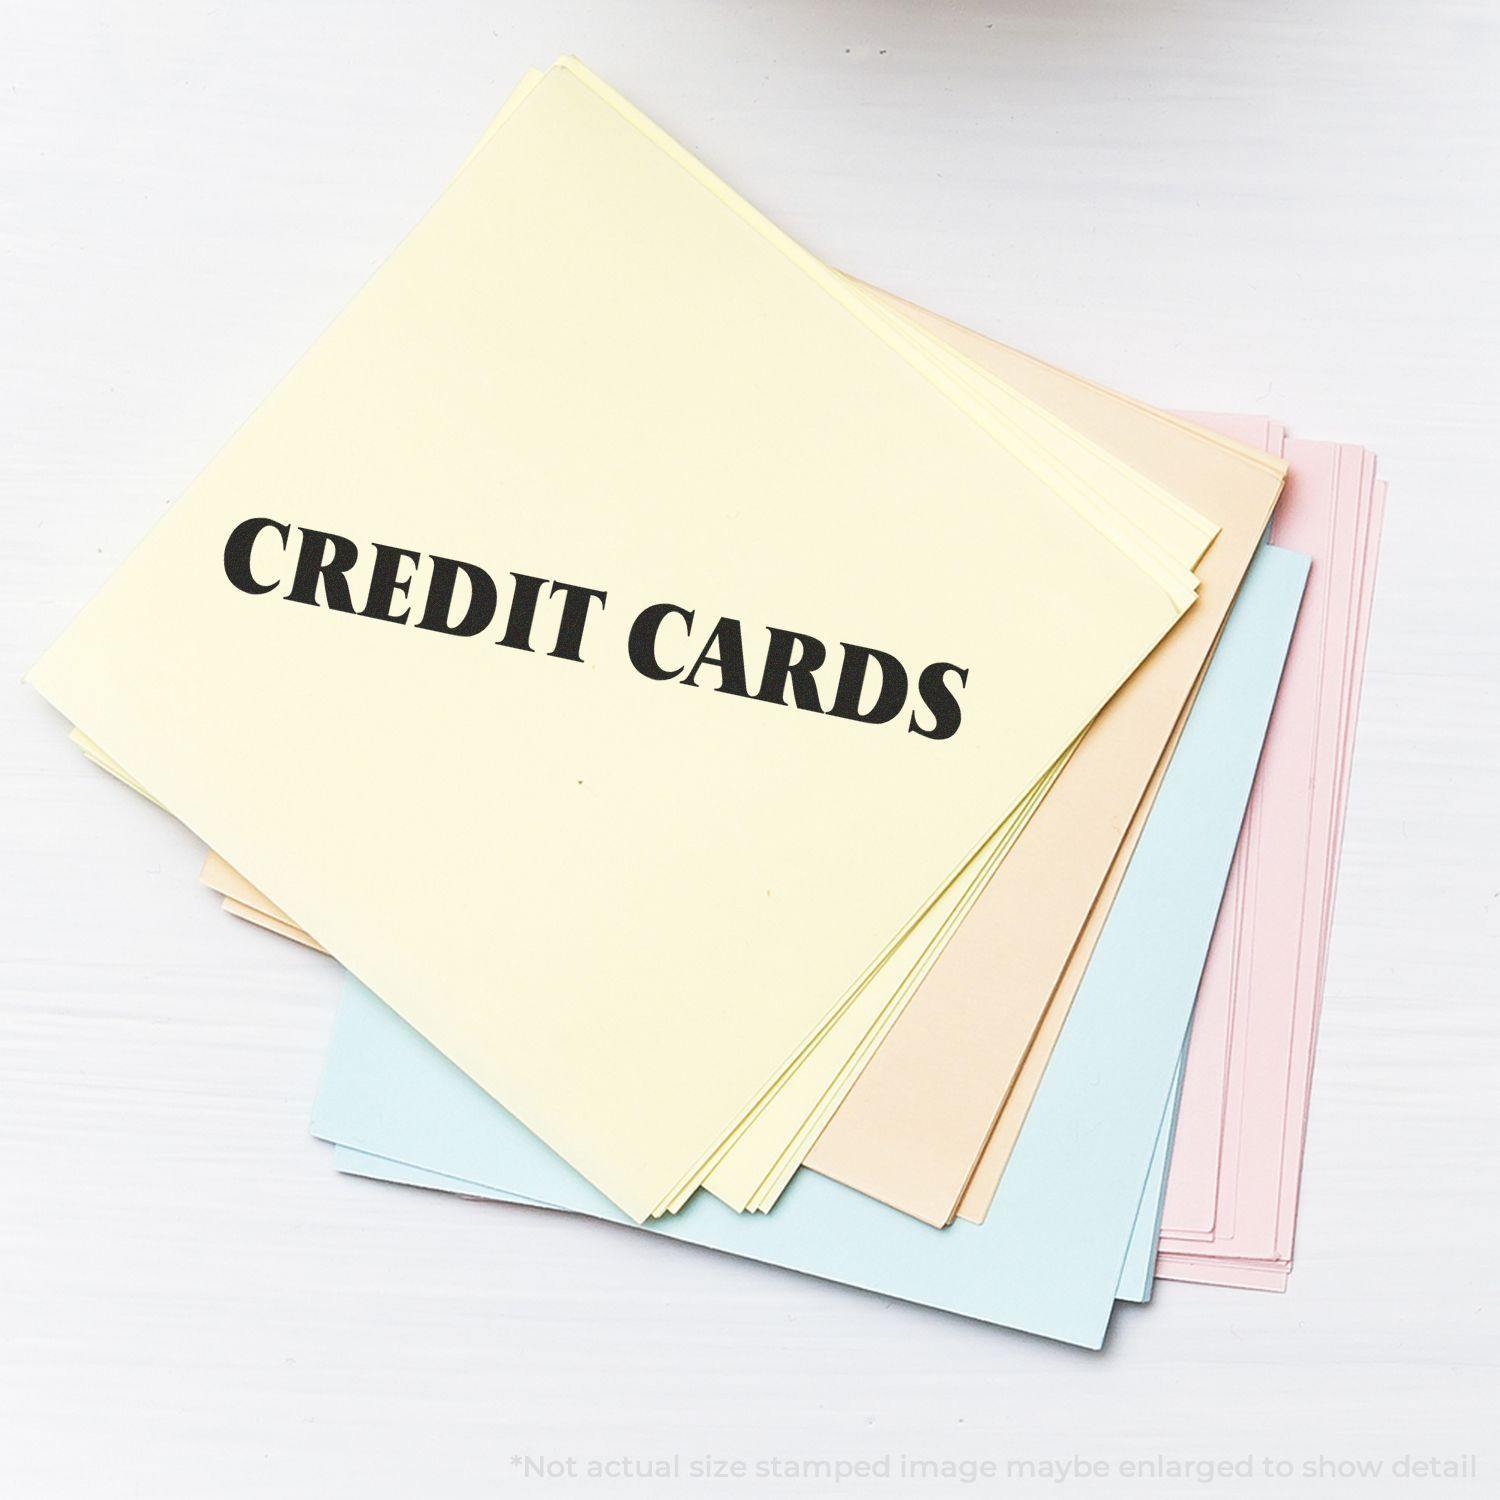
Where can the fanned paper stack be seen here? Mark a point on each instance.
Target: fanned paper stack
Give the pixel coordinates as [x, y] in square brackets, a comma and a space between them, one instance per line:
[736, 721]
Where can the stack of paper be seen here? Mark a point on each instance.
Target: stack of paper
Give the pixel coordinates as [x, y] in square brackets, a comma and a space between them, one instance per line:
[980, 659]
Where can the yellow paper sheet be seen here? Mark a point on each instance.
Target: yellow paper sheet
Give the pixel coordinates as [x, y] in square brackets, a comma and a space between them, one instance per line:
[623, 908]
[910, 1100]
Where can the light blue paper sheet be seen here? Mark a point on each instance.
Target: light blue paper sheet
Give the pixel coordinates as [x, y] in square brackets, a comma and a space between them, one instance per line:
[1049, 1257]
[1138, 1277]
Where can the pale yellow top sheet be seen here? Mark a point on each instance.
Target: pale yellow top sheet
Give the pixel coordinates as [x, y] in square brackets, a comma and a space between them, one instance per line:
[621, 905]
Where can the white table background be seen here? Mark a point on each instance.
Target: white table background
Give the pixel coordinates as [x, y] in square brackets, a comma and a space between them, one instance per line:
[1277, 207]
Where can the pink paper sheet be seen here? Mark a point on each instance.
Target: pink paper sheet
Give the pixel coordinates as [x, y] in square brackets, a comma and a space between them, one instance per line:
[1236, 1166]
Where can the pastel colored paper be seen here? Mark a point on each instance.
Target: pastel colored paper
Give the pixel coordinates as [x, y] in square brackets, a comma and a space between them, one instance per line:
[682, 890]
[1050, 1255]
[1232, 1198]
[1270, 1113]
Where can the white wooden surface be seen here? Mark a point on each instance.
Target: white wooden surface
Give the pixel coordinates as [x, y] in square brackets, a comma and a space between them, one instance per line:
[1265, 206]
